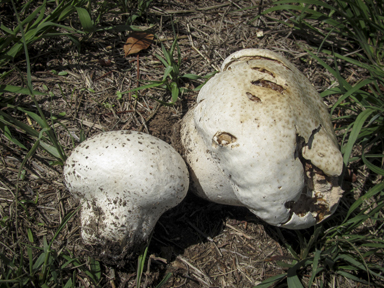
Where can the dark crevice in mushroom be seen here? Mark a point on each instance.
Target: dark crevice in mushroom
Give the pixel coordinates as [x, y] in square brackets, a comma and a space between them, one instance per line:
[300, 143]
[263, 70]
[248, 58]
[269, 85]
[253, 97]
[310, 140]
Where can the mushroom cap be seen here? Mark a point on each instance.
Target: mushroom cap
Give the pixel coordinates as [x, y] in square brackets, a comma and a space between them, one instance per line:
[127, 180]
[268, 130]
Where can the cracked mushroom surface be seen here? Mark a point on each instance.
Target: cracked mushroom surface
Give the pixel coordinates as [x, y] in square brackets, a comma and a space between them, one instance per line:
[126, 181]
[267, 138]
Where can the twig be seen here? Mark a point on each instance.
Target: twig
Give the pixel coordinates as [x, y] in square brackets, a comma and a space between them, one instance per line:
[200, 232]
[197, 50]
[161, 12]
[238, 231]
[148, 118]
[198, 273]
[103, 76]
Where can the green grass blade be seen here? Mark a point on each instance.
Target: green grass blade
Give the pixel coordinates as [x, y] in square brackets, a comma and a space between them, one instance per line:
[350, 92]
[17, 124]
[271, 281]
[294, 281]
[315, 266]
[39, 18]
[39, 262]
[140, 266]
[35, 117]
[162, 60]
[191, 76]
[351, 260]
[69, 283]
[372, 192]
[373, 167]
[8, 134]
[18, 90]
[95, 270]
[359, 122]
[167, 72]
[352, 277]
[168, 57]
[175, 92]
[65, 12]
[85, 19]
[63, 223]
[165, 280]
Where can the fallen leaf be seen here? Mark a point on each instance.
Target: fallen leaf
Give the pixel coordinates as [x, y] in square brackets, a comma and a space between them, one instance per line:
[137, 41]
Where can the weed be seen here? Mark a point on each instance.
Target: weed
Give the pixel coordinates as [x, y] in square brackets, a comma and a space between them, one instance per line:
[46, 269]
[172, 79]
[140, 269]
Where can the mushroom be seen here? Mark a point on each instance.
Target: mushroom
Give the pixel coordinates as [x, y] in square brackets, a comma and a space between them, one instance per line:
[126, 180]
[261, 137]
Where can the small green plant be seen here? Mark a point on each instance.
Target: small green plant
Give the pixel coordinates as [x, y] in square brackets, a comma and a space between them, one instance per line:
[46, 137]
[131, 10]
[46, 269]
[37, 24]
[172, 79]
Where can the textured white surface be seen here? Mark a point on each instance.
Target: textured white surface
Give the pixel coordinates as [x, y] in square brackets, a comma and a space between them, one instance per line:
[127, 180]
[250, 117]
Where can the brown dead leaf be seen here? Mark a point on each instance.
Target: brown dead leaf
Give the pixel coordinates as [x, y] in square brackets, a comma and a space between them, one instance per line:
[137, 41]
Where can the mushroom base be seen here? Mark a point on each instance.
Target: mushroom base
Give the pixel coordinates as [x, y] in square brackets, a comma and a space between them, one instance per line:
[115, 240]
[113, 253]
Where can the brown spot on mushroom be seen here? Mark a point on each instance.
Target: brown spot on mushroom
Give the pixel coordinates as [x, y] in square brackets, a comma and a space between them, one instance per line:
[248, 58]
[253, 97]
[223, 139]
[269, 85]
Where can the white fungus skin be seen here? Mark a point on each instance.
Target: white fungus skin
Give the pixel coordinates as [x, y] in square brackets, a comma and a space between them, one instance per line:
[251, 117]
[211, 184]
[126, 181]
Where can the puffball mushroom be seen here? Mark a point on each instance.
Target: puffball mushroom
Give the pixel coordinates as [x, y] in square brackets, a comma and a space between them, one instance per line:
[261, 137]
[126, 180]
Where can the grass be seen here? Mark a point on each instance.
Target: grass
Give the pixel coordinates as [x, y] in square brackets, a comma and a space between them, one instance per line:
[346, 33]
[345, 249]
[44, 267]
[172, 80]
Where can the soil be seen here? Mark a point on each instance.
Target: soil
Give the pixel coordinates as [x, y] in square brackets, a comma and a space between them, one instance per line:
[201, 243]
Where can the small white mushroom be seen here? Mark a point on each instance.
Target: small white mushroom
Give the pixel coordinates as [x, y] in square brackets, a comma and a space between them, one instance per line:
[126, 180]
[261, 130]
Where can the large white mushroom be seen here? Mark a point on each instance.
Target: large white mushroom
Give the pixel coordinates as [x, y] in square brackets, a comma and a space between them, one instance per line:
[126, 181]
[261, 137]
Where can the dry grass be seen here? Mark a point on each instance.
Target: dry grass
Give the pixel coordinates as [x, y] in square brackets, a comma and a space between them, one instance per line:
[202, 244]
